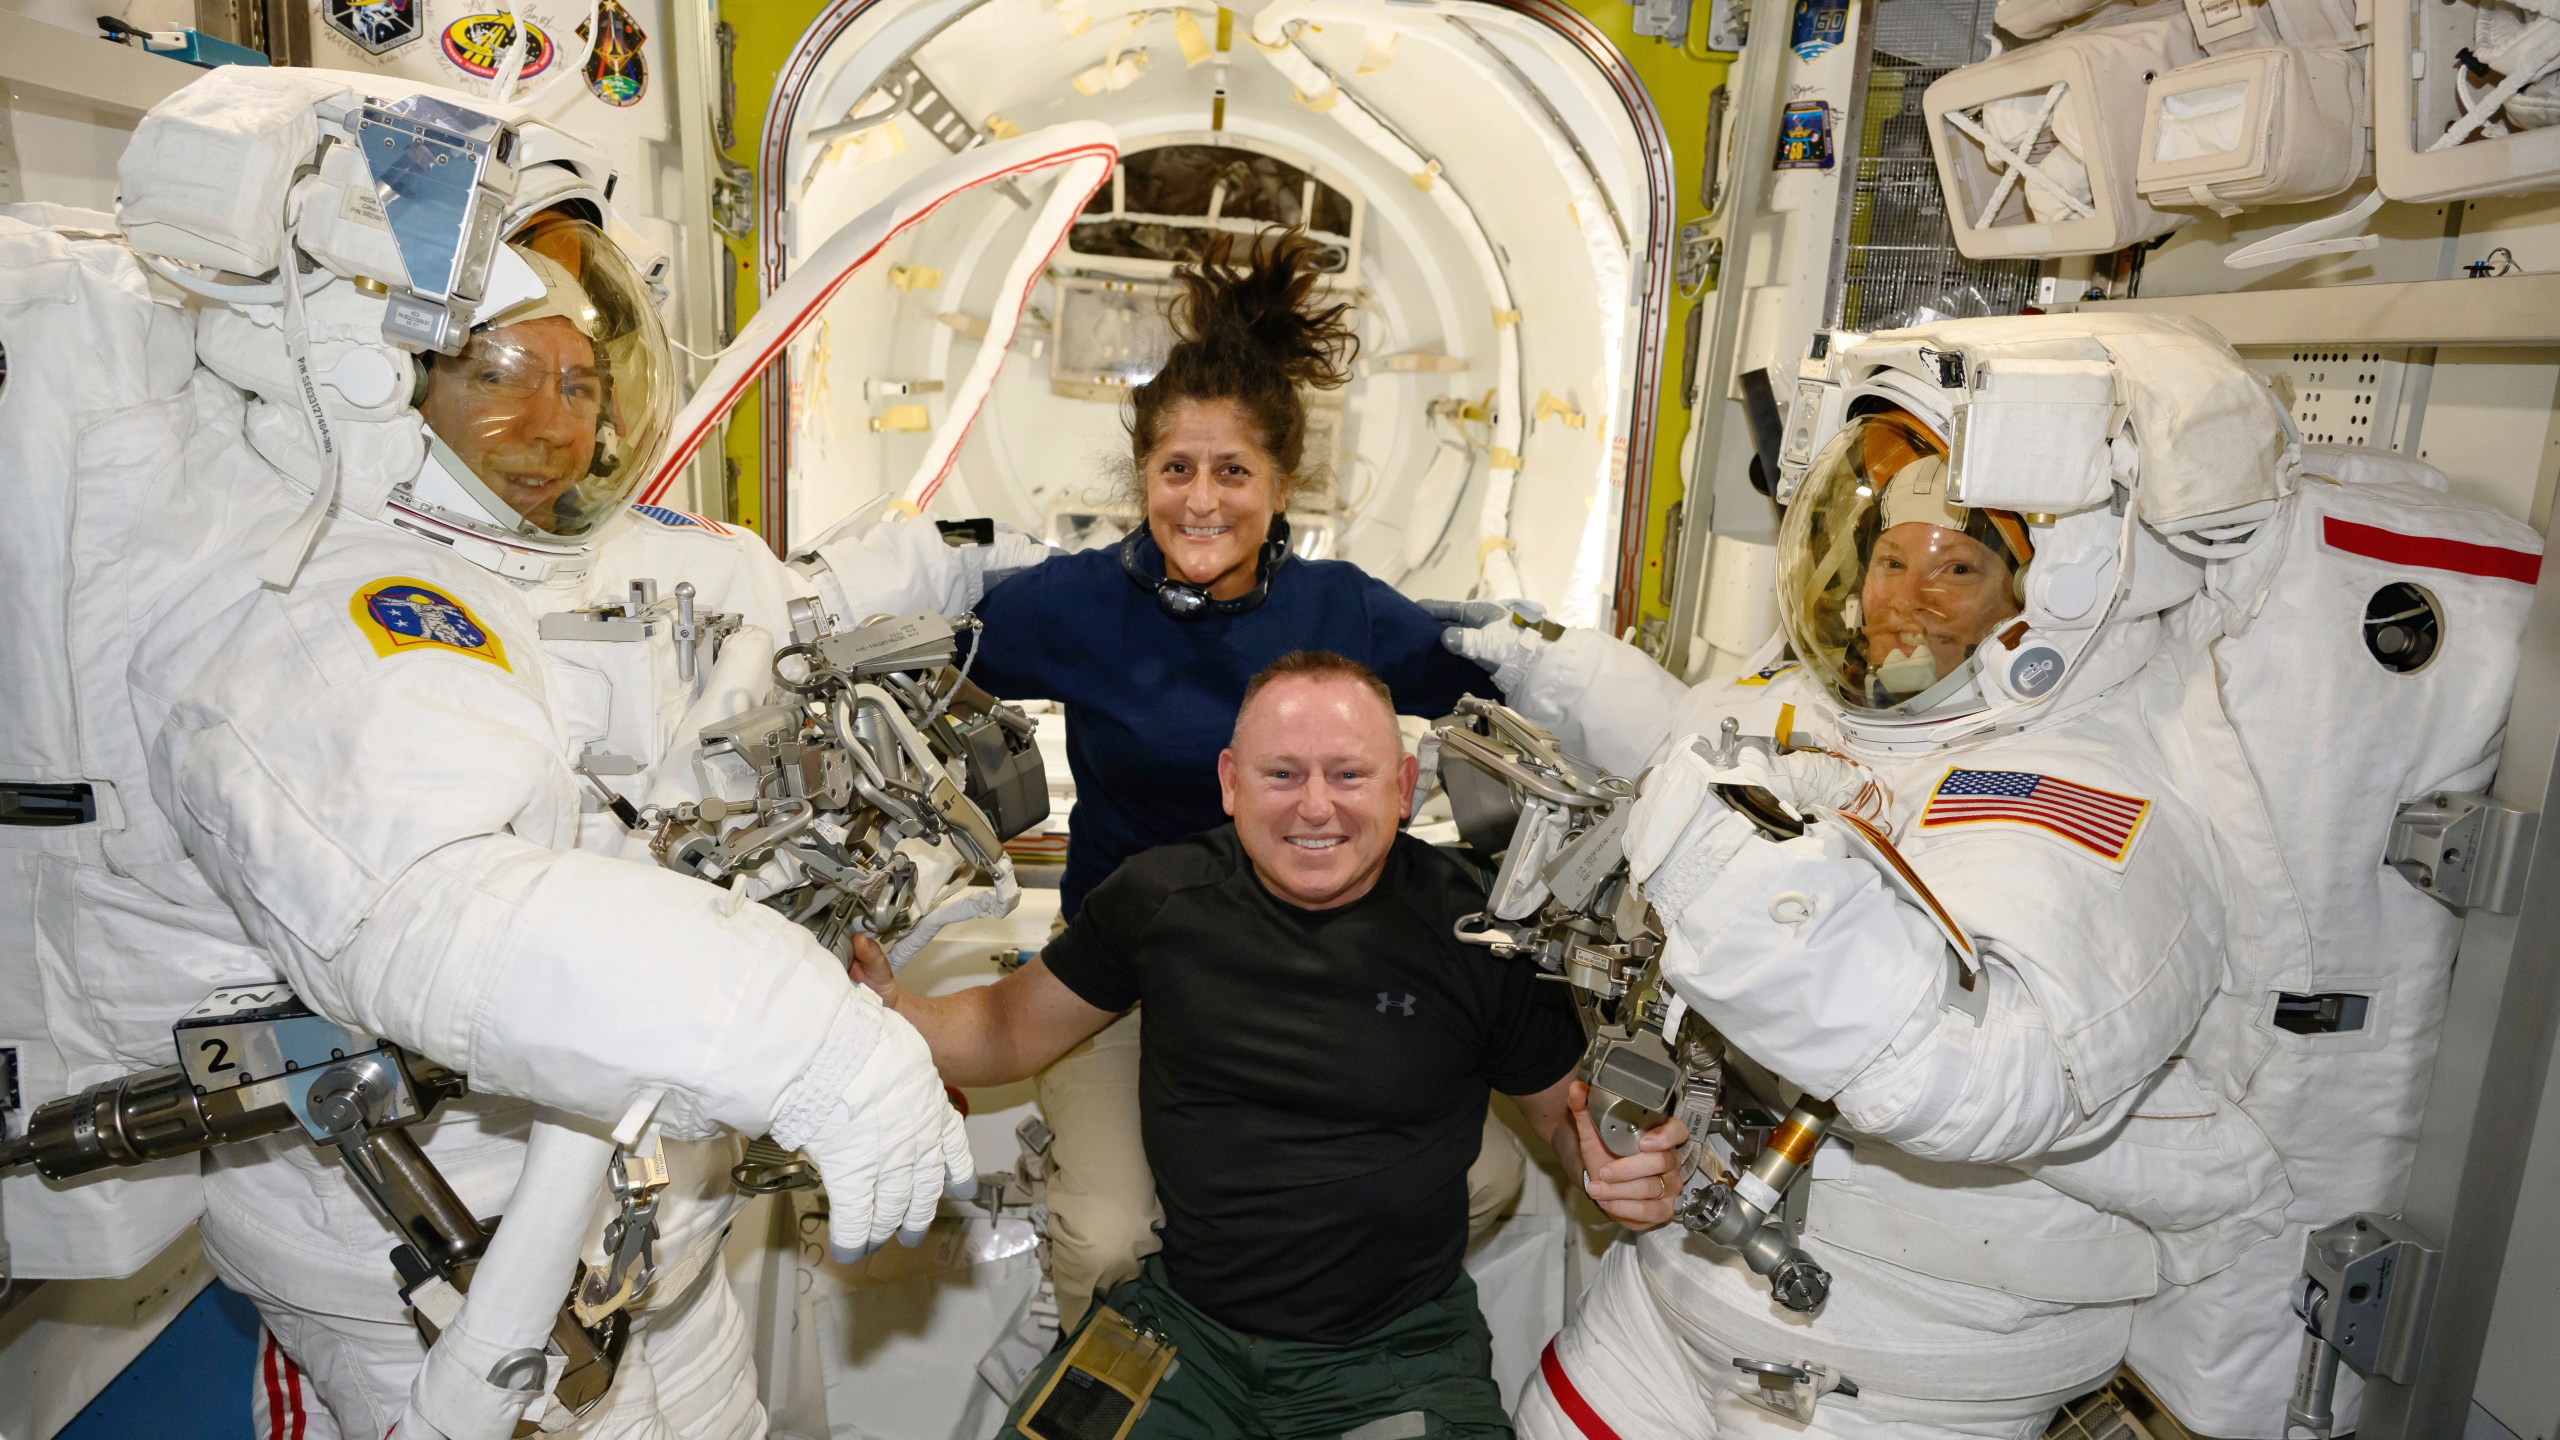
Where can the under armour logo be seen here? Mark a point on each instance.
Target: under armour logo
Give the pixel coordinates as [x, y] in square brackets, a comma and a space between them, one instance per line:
[1388, 1002]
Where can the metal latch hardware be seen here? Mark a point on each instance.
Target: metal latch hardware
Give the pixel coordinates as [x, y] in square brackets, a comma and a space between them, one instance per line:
[2468, 851]
[1792, 1390]
[2366, 1291]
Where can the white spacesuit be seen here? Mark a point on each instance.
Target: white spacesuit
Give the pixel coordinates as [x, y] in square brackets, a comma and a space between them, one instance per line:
[2023, 1153]
[336, 670]
[2352, 650]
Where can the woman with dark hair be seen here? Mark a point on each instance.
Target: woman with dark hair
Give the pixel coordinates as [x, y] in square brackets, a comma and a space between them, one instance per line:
[1149, 644]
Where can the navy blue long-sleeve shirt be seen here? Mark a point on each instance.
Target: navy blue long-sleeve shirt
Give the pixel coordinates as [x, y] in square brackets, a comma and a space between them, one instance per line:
[1151, 700]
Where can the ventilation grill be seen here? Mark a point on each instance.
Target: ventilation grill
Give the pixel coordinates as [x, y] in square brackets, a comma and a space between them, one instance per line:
[1900, 265]
[2349, 395]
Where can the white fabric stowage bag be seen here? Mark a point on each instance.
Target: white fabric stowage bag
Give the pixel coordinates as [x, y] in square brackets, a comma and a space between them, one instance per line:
[2267, 126]
[2037, 149]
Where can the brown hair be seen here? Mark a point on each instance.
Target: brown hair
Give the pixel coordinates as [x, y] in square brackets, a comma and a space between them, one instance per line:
[1246, 329]
[1315, 665]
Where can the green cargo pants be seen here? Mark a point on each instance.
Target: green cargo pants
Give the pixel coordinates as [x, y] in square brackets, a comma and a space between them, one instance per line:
[1428, 1373]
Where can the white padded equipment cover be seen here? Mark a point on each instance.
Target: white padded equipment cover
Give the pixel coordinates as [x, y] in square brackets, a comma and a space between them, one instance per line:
[208, 170]
[2335, 742]
[95, 417]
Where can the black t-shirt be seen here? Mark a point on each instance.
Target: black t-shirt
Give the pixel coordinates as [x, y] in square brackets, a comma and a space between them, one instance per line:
[1313, 1082]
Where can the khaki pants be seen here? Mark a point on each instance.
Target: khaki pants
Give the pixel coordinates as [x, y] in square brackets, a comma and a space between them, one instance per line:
[1102, 1196]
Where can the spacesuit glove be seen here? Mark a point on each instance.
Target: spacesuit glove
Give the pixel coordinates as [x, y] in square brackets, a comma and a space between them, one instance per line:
[871, 1115]
[1801, 781]
[983, 567]
[1488, 632]
[1012, 551]
[1804, 780]
[1680, 836]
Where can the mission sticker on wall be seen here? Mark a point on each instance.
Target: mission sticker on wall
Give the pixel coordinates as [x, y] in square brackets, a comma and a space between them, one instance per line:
[616, 71]
[1804, 136]
[1819, 25]
[378, 27]
[477, 45]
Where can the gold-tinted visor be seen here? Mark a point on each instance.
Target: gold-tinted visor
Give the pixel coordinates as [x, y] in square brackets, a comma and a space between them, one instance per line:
[557, 405]
[1885, 586]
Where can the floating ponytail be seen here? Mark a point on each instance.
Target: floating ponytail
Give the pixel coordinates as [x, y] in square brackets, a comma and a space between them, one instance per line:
[1250, 331]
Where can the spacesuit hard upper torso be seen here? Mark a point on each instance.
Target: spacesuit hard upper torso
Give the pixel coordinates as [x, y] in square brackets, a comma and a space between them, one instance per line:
[1989, 1216]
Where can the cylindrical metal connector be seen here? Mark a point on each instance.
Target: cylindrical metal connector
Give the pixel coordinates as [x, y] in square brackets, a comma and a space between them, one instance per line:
[132, 1120]
[1799, 1284]
[2312, 1411]
[407, 1188]
[1741, 1215]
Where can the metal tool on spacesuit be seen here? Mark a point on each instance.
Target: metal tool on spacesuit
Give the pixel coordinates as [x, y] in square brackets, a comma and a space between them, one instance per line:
[255, 1061]
[870, 790]
[872, 740]
[1563, 897]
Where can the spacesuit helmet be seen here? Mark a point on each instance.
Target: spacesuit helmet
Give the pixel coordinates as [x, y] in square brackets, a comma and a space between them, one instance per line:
[1987, 520]
[417, 223]
[1885, 585]
[550, 416]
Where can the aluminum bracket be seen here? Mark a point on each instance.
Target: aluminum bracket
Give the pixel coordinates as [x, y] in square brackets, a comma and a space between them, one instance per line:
[2469, 851]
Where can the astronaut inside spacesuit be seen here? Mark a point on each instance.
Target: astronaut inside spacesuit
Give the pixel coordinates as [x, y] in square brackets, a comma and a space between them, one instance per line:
[1939, 578]
[376, 703]
[522, 405]
[2023, 1152]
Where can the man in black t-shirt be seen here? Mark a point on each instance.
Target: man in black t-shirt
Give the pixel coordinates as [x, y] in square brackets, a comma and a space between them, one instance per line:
[1318, 1053]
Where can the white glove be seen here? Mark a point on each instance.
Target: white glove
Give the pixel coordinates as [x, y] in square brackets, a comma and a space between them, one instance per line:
[871, 1115]
[1013, 550]
[1680, 835]
[1499, 635]
[989, 565]
[1804, 780]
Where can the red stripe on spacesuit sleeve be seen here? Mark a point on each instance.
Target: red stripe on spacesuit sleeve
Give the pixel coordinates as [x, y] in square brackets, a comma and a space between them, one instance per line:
[275, 1390]
[2430, 552]
[1576, 1409]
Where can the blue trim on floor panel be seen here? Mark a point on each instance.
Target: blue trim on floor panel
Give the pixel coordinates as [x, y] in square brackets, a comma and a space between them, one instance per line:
[190, 1383]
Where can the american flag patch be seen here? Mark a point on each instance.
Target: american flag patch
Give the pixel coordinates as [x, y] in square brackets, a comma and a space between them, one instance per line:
[678, 519]
[2098, 821]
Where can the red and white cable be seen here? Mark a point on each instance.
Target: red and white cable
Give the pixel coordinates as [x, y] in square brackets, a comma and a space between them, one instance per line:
[1085, 150]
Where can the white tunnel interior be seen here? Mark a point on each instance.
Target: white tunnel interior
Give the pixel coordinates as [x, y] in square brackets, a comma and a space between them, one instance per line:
[1496, 256]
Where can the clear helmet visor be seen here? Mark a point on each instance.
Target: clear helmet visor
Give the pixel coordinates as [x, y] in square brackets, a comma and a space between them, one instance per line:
[1885, 587]
[558, 403]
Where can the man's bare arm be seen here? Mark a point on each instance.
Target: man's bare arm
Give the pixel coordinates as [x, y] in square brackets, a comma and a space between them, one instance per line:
[1636, 1190]
[988, 1034]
